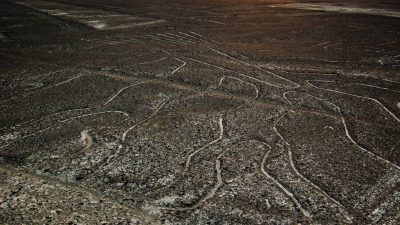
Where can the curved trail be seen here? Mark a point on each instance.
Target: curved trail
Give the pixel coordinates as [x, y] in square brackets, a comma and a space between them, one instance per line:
[353, 95]
[209, 195]
[179, 67]
[378, 158]
[123, 89]
[286, 191]
[124, 135]
[221, 134]
[142, 121]
[362, 148]
[212, 192]
[63, 121]
[286, 99]
[343, 209]
[147, 81]
[107, 102]
[240, 80]
[391, 81]
[45, 88]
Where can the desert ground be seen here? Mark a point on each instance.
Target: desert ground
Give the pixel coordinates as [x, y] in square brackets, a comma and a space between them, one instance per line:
[199, 112]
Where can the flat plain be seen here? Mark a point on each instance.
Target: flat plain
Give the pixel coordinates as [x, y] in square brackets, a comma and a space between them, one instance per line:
[199, 112]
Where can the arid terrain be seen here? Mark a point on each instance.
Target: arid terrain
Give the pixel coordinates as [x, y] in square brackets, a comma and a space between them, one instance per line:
[199, 112]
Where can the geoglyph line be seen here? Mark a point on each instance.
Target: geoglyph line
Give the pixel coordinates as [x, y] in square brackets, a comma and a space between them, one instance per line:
[286, 99]
[353, 95]
[171, 38]
[286, 191]
[123, 89]
[223, 54]
[227, 70]
[54, 114]
[161, 39]
[296, 85]
[124, 135]
[137, 24]
[180, 37]
[219, 183]
[344, 212]
[374, 86]
[212, 192]
[201, 37]
[362, 148]
[192, 37]
[234, 78]
[209, 195]
[142, 121]
[221, 134]
[179, 67]
[63, 121]
[58, 84]
[46, 88]
[145, 37]
[148, 81]
[378, 158]
[154, 61]
[237, 61]
[391, 81]
[349, 9]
